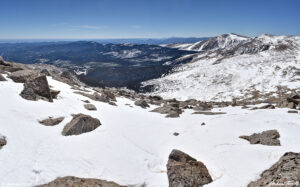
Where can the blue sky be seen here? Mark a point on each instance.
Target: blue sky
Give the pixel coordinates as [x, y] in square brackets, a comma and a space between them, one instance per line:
[21, 19]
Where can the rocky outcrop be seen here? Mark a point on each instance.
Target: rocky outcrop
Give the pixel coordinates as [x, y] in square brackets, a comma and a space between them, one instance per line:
[23, 75]
[80, 123]
[37, 88]
[51, 121]
[2, 78]
[185, 171]
[2, 141]
[90, 107]
[269, 137]
[80, 182]
[97, 97]
[168, 110]
[285, 172]
[292, 102]
[142, 103]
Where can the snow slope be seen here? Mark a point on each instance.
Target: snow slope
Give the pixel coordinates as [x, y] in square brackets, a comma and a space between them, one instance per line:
[222, 41]
[132, 145]
[260, 64]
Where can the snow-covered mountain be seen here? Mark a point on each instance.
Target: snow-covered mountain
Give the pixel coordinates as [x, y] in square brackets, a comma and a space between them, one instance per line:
[232, 66]
[223, 41]
[129, 145]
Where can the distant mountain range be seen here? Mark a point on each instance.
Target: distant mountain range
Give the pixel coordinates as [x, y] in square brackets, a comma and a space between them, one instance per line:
[97, 64]
[154, 41]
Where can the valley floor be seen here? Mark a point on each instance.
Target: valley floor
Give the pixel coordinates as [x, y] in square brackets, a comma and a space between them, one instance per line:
[132, 145]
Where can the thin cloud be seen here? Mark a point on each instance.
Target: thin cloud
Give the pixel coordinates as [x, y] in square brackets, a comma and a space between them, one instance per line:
[136, 26]
[95, 27]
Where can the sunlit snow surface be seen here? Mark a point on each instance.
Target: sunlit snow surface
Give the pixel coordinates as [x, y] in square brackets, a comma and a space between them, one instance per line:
[234, 76]
[132, 145]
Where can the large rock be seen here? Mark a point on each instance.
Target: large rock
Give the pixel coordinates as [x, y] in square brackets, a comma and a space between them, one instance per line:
[80, 182]
[285, 172]
[2, 141]
[185, 171]
[51, 121]
[142, 103]
[80, 123]
[269, 137]
[90, 107]
[37, 88]
[168, 110]
[23, 75]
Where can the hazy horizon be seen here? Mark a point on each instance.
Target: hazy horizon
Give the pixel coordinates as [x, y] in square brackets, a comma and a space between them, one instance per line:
[104, 19]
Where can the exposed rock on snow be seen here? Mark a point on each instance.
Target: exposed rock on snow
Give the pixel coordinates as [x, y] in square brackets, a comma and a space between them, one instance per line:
[268, 106]
[175, 133]
[80, 182]
[90, 107]
[285, 172]
[23, 75]
[37, 88]
[269, 137]
[142, 103]
[2, 141]
[209, 113]
[80, 123]
[51, 121]
[86, 101]
[54, 93]
[2, 78]
[169, 110]
[97, 97]
[293, 111]
[185, 171]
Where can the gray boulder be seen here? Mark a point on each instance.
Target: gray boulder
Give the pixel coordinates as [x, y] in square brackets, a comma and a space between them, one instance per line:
[23, 75]
[142, 103]
[2, 141]
[209, 113]
[37, 88]
[51, 121]
[285, 172]
[168, 110]
[90, 107]
[269, 137]
[80, 182]
[185, 171]
[80, 123]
